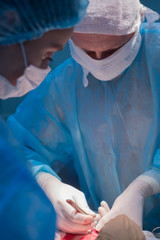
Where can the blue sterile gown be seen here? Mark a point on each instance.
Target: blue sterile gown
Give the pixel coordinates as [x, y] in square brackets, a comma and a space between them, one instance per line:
[110, 129]
[25, 211]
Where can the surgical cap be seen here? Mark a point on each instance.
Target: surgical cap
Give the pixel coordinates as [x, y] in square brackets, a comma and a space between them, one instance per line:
[22, 20]
[115, 17]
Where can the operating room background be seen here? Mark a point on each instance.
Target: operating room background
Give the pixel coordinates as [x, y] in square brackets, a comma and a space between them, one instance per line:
[8, 107]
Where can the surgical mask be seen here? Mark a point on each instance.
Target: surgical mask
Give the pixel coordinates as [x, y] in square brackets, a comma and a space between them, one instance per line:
[31, 78]
[110, 67]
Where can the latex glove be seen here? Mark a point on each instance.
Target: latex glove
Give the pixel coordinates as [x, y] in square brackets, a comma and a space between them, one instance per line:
[103, 209]
[69, 220]
[130, 202]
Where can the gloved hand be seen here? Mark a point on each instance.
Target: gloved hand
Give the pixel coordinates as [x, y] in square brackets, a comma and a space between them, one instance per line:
[69, 220]
[131, 201]
[103, 209]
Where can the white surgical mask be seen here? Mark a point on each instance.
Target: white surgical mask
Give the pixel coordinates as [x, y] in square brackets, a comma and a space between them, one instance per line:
[31, 78]
[110, 67]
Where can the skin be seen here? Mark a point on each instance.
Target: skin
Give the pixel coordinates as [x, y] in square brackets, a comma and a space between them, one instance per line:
[38, 53]
[100, 46]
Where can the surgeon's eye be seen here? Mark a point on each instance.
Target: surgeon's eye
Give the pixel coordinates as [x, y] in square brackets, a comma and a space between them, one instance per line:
[91, 53]
[50, 59]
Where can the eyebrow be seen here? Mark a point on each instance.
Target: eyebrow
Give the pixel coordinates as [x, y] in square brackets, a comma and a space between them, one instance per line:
[57, 47]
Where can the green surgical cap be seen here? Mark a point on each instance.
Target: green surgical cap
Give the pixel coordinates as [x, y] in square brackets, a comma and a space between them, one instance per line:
[22, 20]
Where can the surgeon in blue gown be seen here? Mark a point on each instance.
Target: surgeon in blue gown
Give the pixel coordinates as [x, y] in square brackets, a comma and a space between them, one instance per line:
[101, 108]
[30, 31]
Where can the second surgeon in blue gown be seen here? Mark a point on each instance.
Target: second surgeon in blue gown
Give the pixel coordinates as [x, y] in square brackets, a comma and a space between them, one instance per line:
[25, 211]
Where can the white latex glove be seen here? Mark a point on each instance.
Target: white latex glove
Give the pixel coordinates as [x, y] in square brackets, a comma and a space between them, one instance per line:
[103, 209]
[131, 201]
[69, 220]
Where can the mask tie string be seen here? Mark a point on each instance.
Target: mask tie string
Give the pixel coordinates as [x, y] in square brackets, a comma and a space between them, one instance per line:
[24, 55]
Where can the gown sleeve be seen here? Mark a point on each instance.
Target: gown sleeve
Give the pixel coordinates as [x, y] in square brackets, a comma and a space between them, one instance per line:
[39, 126]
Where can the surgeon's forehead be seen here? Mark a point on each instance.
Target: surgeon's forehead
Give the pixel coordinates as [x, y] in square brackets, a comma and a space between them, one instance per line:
[98, 41]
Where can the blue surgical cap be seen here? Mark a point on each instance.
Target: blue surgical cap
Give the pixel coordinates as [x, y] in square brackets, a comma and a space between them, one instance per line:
[22, 20]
